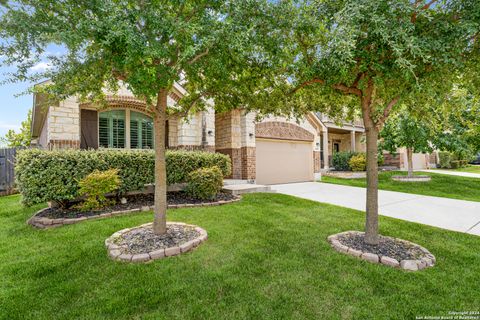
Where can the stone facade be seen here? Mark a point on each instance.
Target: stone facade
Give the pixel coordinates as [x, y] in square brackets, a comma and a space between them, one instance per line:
[61, 129]
[282, 131]
[233, 133]
[316, 161]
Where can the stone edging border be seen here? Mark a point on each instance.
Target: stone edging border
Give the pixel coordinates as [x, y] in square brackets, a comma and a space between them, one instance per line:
[410, 179]
[408, 265]
[115, 254]
[44, 222]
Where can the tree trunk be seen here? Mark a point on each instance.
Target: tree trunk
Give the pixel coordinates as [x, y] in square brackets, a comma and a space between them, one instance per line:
[160, 219]
[410, 162]
[371, 224]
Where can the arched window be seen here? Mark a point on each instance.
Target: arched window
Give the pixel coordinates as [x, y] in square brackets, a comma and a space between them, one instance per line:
[125, 129]
[111, 129]
[141, 131]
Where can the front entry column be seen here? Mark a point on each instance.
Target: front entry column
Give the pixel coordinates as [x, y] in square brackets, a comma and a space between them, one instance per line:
[325, 149]
[352, 140]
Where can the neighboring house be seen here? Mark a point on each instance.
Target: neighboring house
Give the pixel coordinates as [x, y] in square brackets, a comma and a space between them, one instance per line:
[274, 150]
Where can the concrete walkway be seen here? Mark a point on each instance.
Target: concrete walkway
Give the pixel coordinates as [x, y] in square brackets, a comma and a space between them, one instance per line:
[450, 214]
[454, 173]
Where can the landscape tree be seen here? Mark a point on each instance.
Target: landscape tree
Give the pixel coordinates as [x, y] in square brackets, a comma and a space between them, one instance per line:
[366, 57]
[406, 130]
[146, 45]
[21, 138]
[458, 128]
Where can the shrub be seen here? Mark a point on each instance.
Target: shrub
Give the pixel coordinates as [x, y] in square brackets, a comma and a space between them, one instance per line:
[205, 183]
[54, 175]
[340, 160]
[445, 159]
[455, 164]
[95, 186]
[463, 163]
[380, 158]
[358, 162]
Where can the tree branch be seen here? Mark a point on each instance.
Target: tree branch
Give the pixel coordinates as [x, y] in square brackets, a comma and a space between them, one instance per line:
[386, 111]
[425, 7]
[186, 111]
[347, 90]
[199, 56]
[306, 83]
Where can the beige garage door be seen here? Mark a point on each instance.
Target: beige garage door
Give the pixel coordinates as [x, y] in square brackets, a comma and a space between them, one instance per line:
[281, 161]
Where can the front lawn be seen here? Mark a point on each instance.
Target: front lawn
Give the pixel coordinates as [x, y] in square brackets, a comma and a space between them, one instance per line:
[266, 258]
[469, 168]
[441, 185]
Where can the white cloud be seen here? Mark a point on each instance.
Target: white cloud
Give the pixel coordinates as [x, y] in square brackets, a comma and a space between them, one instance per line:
[40, 67]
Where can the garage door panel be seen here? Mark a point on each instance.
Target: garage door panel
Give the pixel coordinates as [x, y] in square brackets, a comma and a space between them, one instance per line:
[283, 161]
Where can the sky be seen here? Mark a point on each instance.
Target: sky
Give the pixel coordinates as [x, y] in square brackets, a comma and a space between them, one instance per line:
[14, 105]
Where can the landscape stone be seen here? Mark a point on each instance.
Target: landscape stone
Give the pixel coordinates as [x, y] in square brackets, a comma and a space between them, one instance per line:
[409, 265]
[390, 261]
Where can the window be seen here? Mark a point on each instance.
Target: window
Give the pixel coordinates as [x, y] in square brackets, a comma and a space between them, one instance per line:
[125, 129]
[111, 129]
[141, 131]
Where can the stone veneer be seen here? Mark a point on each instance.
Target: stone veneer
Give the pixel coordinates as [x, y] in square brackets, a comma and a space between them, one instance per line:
[235, 137]
[409, 265]
[394, 160]
[282, 131]
[316, 161]
[115, 251]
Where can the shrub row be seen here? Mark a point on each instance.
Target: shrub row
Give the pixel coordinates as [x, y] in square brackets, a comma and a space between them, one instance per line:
[54, 175]
[349, 160]
[449, 160]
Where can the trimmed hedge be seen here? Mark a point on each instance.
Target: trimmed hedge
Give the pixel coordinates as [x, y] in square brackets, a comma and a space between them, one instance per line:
[205, 183]
[340, 160]
[445, 159]
[358, 162]
[54, 175]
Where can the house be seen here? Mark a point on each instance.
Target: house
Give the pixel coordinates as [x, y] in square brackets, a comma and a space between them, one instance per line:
[274, 150]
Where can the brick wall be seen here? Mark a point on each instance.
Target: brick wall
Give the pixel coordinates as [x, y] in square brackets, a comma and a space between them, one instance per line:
[248, 159]
[393, 160]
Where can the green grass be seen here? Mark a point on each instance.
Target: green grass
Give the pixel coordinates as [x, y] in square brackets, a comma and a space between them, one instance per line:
[470, 168]
[266, 258]
[441, 185]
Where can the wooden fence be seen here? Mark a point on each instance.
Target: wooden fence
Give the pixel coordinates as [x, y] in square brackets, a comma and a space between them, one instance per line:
[7, 176]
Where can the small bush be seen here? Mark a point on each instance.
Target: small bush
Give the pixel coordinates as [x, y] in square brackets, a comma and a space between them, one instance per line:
[463, 163]
[340, 160]
[445, 159]
[380, 159]
[205, 183]
[95, 186]
[455, 164]
[54, 175]
[358, 162]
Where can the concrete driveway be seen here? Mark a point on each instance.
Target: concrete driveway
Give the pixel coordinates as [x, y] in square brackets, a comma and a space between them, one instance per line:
[450, 214]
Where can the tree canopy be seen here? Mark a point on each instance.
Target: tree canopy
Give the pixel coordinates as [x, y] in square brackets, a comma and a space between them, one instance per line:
[207, 46]
[366, 57]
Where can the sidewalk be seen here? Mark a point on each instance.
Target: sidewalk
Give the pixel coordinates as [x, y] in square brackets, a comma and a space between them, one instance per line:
[450, 214]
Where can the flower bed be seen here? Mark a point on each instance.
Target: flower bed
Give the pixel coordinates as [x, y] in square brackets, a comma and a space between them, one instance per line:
[140, 244]
[55, 217]
[392, 252]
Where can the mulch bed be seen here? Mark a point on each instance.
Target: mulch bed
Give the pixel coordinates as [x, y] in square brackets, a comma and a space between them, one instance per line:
[143, 240]
[387, 246]
[133, 202]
